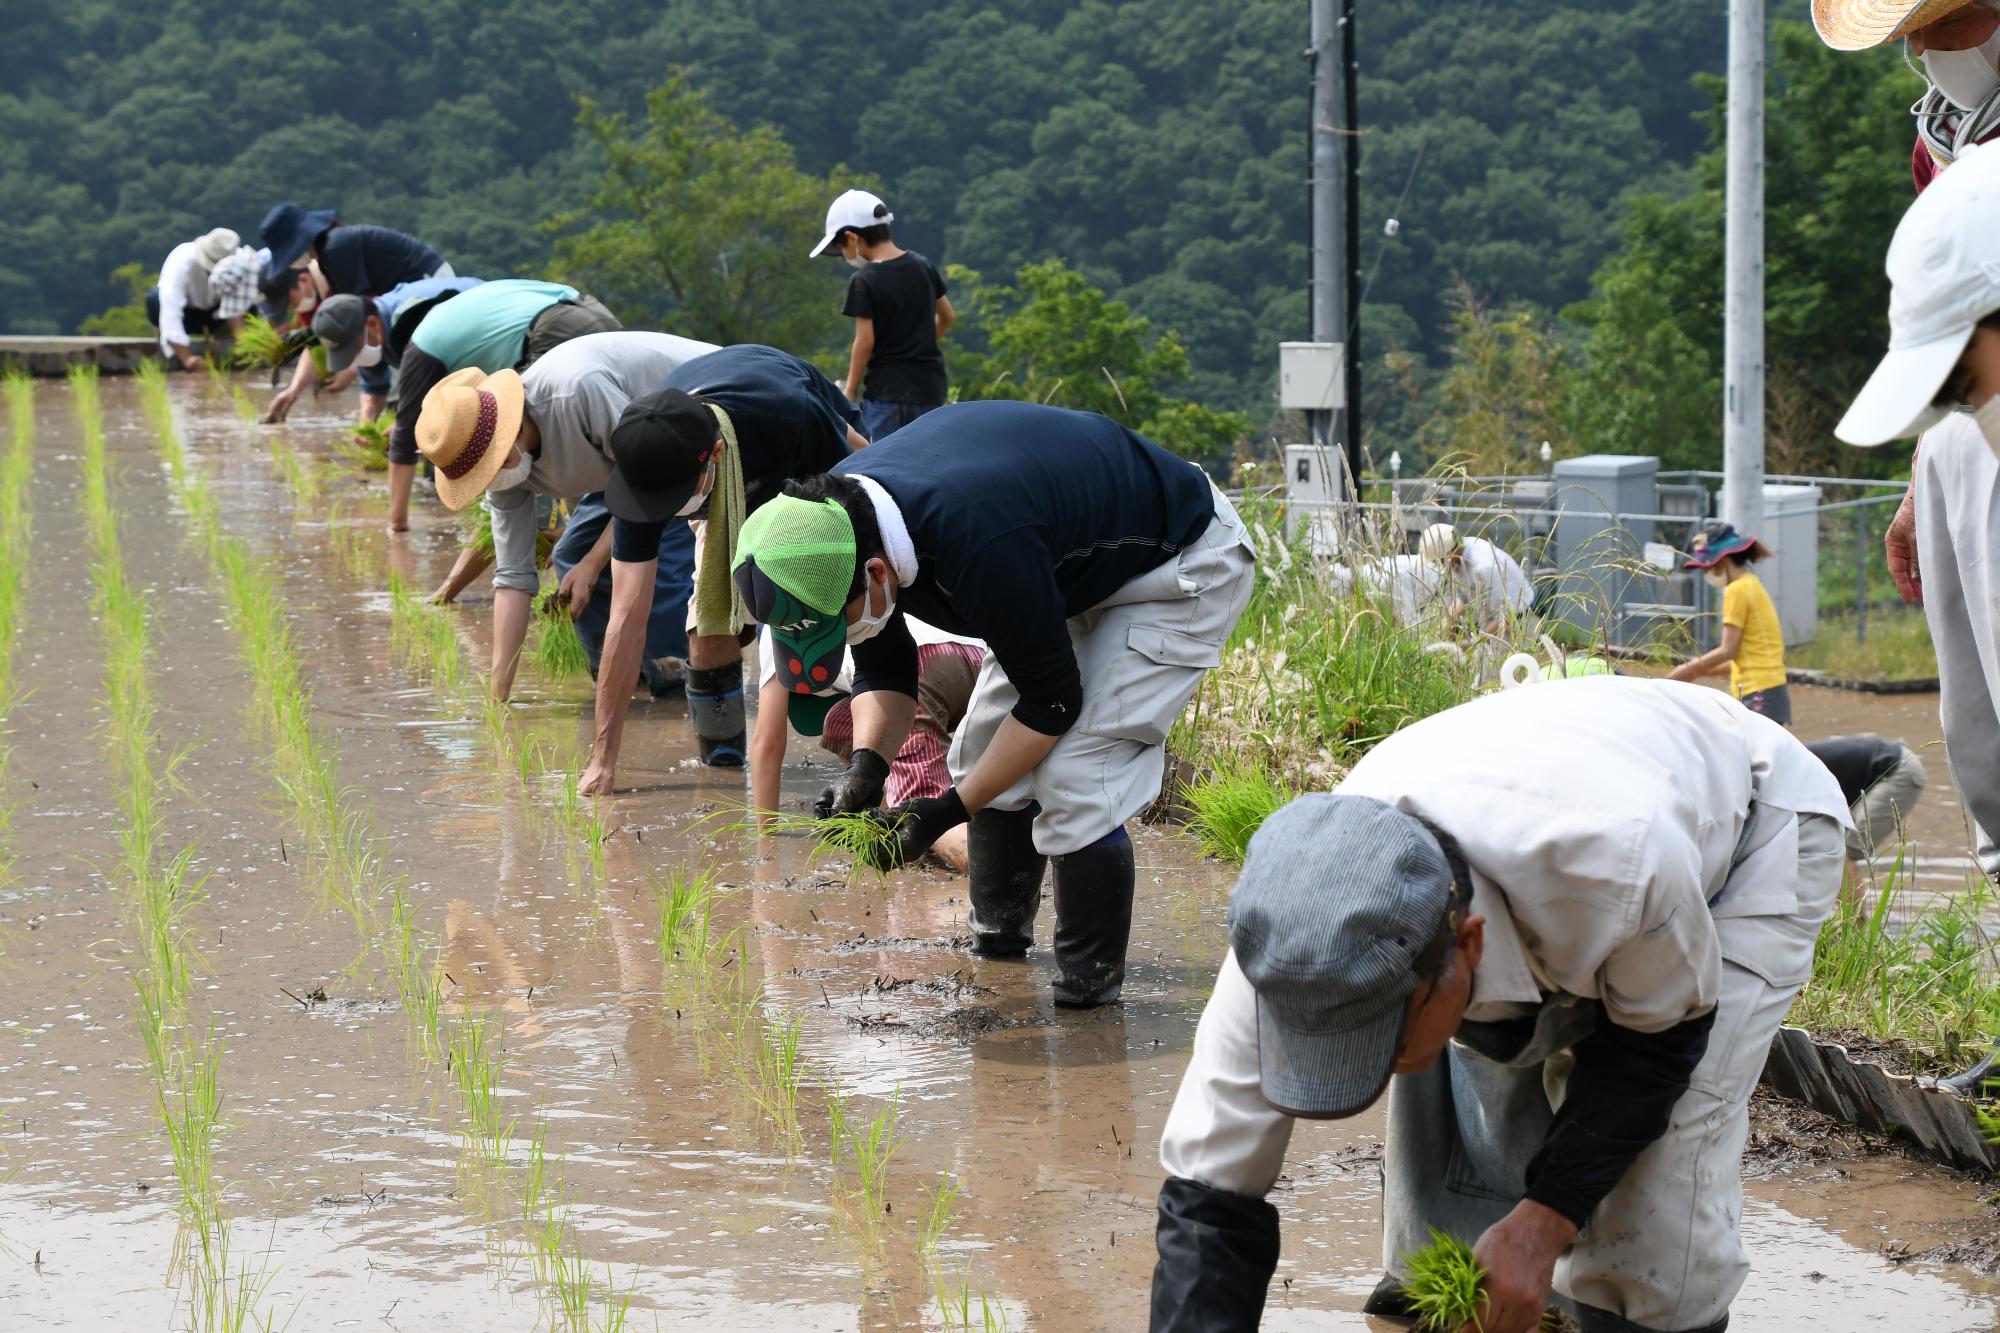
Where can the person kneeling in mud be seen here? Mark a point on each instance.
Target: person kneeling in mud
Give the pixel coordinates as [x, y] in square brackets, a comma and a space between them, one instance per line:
[1560, 926]
[1104, 575]
[947, 667]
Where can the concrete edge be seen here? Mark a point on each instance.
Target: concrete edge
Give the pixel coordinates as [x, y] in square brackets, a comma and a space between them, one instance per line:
[1828, 680]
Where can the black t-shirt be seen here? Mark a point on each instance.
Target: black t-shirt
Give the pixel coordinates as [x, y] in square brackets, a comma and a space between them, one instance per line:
[901, 296]
[1856, 762]
[790, 421]
[368, 261]
[1023, 516]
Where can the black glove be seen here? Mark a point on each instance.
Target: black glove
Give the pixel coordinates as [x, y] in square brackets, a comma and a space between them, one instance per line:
[859, 788]
[919, 823]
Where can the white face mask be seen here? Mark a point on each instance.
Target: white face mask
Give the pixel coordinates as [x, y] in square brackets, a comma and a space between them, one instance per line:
[1715, 577]
[1966, 78]
[369, 355]
[700, 496]
[1987, 417]
[507, 478]
[870, 625]
[857, 260]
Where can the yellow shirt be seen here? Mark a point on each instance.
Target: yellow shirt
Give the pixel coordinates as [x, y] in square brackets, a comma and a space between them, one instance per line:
[1760, 658]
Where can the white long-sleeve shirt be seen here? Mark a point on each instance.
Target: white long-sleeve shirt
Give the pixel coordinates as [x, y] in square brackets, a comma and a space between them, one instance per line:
[183, 286]
[1600, 820]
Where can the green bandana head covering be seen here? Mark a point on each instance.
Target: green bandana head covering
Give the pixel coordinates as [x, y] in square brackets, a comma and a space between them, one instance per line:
[795, 562]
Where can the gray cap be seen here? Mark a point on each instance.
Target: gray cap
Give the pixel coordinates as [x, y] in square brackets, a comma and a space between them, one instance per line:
[338, 324]
[1338, 898]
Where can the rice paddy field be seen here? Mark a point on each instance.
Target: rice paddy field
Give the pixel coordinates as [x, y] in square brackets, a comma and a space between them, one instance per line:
[325, 1004]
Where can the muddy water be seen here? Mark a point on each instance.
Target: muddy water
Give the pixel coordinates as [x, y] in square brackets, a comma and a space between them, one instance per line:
[344, 1172]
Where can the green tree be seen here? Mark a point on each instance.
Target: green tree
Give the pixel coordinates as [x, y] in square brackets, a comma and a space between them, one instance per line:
[127, 320]
[1837, 150]
[1054, 338]
[1505, 393]
[703, 229]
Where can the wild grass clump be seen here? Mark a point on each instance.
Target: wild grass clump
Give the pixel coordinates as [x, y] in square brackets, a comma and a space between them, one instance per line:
[1443, 1284]
[1926, 984]
[1231, 805]
[1319, 667]
[1898, 647]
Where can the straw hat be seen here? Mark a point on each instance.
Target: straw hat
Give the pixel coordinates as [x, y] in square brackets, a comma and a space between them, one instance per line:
[466, 428]
[1856, 25]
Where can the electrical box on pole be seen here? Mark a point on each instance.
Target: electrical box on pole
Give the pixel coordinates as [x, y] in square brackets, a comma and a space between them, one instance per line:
[1312, 377]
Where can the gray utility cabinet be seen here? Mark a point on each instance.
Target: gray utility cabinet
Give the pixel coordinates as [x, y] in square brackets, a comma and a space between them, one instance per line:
[1603, 584]
[1791, 575]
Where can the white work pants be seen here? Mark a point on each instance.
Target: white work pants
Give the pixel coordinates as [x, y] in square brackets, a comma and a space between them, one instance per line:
[1958, 552]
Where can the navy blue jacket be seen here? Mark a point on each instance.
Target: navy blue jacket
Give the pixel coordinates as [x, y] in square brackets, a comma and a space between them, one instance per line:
[1023, 516]
[368, 261]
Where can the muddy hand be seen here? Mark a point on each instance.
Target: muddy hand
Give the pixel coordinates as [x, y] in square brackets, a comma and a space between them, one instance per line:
[574, 591]
[596, 780]
[276, 410]
[1900, 545]
[859, 788]
[1519, 1254]
[920, 823]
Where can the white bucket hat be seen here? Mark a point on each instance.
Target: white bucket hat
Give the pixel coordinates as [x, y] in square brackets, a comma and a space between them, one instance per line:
[1944, 276]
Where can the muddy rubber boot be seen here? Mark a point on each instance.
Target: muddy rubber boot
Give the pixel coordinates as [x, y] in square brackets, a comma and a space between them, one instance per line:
[715, 706]
[1005, 879]
[1093, 891]
[664, 676]
[1390, 1301]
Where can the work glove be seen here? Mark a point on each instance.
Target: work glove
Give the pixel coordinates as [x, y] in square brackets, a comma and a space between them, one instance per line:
[859, 788]
[918, 824]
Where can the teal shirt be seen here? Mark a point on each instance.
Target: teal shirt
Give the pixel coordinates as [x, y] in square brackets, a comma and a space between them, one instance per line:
[487, 326]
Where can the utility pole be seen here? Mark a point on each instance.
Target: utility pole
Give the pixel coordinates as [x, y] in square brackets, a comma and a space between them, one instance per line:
[1328, 208]
[1350, 79]
[1743, 283]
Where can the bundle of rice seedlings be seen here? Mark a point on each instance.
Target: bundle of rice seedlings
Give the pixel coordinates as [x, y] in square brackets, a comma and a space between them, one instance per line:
[368, 447]
[1230, 805]
[260, 344]
[1443, 1286]
[559, 651]
[866, 837]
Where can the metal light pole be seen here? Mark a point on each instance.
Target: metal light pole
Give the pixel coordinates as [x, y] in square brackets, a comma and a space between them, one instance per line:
[1743, 284]
[1327, 204]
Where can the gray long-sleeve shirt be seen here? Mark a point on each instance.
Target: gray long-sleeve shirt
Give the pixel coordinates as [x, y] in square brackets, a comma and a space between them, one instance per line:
[575, 395]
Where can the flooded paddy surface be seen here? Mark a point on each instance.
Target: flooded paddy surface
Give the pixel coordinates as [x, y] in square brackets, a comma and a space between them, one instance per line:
[346, 1174]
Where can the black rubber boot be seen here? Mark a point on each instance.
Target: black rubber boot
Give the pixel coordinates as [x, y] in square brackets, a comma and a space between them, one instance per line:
[1093, 890]
[1005, 875]
[1390, 1301]
[715, 706]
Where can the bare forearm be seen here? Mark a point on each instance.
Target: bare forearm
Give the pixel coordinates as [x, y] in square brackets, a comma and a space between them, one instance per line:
[598, 556]
[882, 721]
[1015, 751]
[511, 608]
[624, 644]
[857, 364]
[767, 746]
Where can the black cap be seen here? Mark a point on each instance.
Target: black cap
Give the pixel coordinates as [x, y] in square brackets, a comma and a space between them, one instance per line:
[662, 445]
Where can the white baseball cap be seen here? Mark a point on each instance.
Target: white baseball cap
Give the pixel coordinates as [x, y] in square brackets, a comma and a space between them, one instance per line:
[1944, 277]
[857, 209]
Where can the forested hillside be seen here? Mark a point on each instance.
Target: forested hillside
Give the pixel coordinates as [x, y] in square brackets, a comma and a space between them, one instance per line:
[1157, 146]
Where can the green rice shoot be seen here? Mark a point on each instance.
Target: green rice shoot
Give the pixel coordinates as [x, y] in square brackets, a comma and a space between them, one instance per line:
[865, 837]
[368, 447]
[1443, 1285]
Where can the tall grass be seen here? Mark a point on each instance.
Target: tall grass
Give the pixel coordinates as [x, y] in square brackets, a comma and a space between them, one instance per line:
[1926, 983]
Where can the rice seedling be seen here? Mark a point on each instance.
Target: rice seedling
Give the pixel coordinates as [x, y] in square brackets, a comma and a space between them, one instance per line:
[963, 1306]
[472, 1054]
[866, 1145]
[1230, 805]
[773, 1071]
[1442, 1284]
[417, 974]
[686, 903]
[941, 1210]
